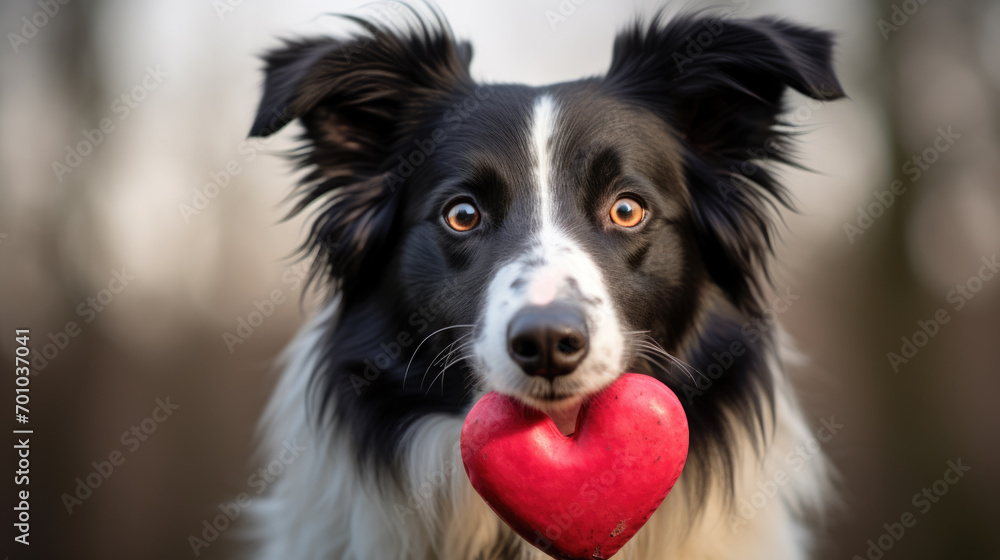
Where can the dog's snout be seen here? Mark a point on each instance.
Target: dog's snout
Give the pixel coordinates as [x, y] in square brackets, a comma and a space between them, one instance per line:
[548, 340]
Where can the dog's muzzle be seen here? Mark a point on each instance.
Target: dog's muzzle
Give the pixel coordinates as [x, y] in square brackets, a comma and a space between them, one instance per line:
[548, 340]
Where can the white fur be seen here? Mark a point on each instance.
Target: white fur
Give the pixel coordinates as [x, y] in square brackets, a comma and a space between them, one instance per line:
[550, 264]
[544, 116]
[321, 507]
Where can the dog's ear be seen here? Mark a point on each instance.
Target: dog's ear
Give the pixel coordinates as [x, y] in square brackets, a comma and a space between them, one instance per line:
[360, 101]
[720, 83]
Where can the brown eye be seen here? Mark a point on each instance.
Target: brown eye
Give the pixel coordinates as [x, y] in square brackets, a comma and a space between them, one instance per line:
[626, 212]
[462, 216]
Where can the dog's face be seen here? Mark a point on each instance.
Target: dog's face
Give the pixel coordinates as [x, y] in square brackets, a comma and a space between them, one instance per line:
[562, 215]
[540, 241]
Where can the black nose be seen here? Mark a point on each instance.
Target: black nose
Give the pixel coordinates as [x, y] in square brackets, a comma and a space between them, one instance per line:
[548, 340]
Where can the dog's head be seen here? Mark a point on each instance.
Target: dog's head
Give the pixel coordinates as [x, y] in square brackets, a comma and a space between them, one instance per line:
[538, 241]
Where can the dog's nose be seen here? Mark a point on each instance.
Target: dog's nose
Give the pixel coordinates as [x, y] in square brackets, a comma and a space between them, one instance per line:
[548, 340]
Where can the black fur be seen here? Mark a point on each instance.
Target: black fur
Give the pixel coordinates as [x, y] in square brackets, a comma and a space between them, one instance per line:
[724, 99]
[674, 131]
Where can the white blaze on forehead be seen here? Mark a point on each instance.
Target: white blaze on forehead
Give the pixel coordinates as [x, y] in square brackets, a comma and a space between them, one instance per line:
[551, 247]
[554, 265]
[544, 283]
[543, 127]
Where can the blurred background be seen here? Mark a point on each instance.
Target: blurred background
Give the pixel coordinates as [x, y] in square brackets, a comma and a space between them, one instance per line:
[138, 227]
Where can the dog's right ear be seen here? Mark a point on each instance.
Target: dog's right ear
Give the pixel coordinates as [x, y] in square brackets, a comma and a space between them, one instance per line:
[360, 101]
[721, 83]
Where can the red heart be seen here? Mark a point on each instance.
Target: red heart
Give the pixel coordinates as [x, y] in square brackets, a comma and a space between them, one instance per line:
[583, 496]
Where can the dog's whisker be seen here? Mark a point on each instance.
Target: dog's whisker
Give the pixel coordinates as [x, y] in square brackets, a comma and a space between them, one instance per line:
[665, 367]
[446, 351]
[687, 368]
[670, 368]
[458, 349]
[649, 343]
[444, 361]
[457, 345]
[441, 373]
[441, 360]
[443, 367]
[439, 356]
[417, 349]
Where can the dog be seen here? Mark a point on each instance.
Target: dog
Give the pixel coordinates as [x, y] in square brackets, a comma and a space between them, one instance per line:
[538, 242]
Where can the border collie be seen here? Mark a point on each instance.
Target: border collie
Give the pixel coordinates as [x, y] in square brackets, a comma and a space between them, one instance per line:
[538, 242]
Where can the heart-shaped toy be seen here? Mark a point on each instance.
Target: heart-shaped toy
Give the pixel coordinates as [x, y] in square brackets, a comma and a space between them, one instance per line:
[582, 496]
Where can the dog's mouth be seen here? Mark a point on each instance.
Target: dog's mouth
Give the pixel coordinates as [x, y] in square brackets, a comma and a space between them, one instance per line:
[566, 414]
[562, 408]
[554, 397]
[562, 405]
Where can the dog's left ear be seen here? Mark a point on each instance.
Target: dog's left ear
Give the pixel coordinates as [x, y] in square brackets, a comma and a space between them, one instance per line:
[719, 83]
[360, 100]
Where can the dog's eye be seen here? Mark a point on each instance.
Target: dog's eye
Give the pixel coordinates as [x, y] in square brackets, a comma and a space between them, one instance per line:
[461, 215]
[626, 212]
